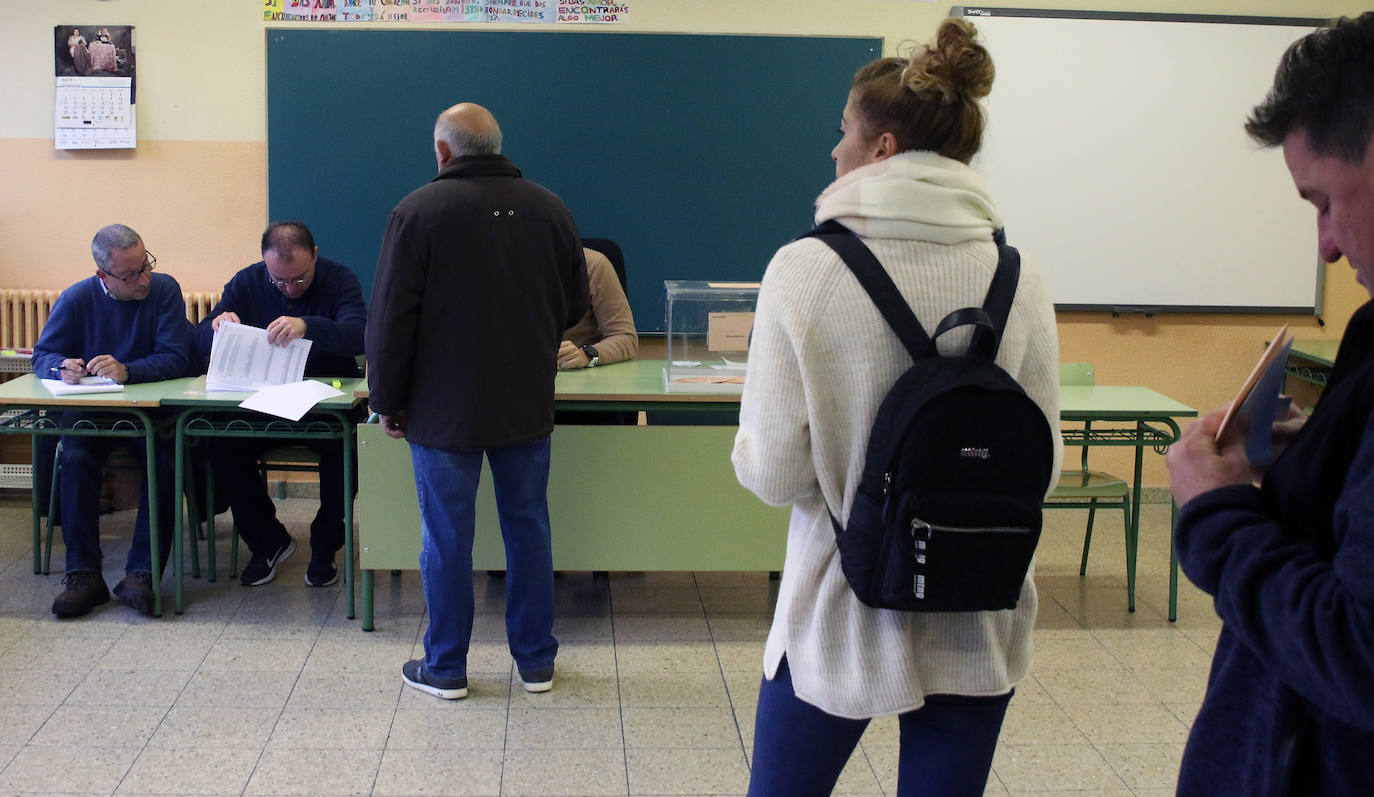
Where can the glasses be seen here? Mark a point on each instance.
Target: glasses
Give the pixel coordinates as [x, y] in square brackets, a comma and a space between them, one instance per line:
[149, 263]
[298, 281]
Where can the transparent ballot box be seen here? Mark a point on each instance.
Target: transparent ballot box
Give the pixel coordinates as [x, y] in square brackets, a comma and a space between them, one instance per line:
[708, 328]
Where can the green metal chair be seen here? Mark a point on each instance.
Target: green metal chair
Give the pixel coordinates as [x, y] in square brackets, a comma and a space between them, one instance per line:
[1085, 488]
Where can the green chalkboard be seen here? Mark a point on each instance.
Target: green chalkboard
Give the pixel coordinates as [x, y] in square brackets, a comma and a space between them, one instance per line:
[700, 155]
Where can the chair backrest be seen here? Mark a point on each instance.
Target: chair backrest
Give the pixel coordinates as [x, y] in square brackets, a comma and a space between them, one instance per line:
[612, 252]
[1076, 374]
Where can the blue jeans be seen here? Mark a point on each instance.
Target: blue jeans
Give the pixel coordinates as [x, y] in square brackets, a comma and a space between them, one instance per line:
[446, 484]
[82, 461]
[946, 745]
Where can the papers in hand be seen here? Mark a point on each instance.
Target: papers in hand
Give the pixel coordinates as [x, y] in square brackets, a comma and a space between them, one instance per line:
[242, 359]
[88, 384]
[1259, 400]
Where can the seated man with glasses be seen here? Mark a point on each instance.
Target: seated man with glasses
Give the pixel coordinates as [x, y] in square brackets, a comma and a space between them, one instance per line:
[292, 293]
[127, 324]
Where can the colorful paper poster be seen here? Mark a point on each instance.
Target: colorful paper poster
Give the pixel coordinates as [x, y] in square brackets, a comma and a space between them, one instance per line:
[391, 10]
[355, 10]
[427, 10]
[309, 10]
[578, 11]
[272, 10]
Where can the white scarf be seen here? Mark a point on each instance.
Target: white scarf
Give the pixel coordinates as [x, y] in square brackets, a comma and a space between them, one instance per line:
[912, 195]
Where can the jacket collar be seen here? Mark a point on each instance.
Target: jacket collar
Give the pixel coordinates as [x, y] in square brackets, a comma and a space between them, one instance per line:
[465, 166]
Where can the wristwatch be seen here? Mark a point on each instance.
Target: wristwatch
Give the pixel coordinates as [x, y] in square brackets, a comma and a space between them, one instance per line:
[592, 356]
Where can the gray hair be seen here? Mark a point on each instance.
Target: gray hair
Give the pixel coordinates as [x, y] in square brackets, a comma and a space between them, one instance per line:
[466, 142]
[114, 236]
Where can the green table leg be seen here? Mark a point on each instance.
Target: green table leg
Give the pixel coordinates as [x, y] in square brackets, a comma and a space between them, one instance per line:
[346, 440]
[154, 544]
[368, 609]
[1173, 562]
[33, 500]
[1133, 533]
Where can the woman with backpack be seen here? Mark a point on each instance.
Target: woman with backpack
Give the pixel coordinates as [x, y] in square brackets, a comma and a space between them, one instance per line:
[822, 359]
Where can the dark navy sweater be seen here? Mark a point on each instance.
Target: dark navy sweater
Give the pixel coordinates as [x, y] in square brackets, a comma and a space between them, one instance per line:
[332, 308]
[151, 336]
[1289, 708]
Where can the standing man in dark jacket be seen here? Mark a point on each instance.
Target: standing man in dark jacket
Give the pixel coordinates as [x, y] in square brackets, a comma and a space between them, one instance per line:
[1289, 708]
[292, 293]
[479, 274]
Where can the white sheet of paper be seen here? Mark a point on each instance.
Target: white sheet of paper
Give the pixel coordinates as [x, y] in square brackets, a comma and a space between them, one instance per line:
[89, 384]
[242, 359]
[290, 401]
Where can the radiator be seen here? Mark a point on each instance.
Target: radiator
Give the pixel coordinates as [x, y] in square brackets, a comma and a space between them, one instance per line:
[199, 304]
[23, 313]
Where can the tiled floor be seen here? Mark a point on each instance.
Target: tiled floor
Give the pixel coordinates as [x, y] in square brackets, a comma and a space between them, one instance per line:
[272, 690]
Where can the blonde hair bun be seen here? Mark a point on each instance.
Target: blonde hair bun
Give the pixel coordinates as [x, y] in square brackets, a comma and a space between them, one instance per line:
[956, 68]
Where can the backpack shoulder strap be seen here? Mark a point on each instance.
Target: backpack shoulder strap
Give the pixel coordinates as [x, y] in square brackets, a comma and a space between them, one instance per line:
[878, 284]
[1000, 294]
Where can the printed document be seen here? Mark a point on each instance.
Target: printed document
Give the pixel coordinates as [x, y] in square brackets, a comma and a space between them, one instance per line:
[242, 359]
[88, 384]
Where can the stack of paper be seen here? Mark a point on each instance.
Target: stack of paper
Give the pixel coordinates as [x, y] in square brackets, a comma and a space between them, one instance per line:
[242, 359]
[88, 384]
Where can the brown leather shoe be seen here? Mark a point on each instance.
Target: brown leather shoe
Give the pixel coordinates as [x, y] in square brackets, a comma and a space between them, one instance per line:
[85, 590]
[136, 590]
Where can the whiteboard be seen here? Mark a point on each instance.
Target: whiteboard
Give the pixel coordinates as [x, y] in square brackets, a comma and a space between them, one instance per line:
[1116, 152]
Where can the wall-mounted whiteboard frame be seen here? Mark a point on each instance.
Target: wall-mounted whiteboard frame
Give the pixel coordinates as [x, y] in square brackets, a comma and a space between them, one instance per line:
[1116, 151]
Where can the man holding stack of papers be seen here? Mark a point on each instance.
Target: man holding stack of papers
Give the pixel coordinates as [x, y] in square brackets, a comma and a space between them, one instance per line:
[307, 307]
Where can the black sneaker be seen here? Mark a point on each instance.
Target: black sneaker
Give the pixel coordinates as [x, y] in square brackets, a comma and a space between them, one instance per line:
[321, 572]
[85, 590]
[262, 568]
[418, 676]
[136, 590]
[540, 680]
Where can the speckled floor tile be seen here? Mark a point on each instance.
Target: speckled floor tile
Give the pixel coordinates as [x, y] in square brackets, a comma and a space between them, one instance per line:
[57, 769]
[283, 771]
[564, 728]
[100, 726]
[421, 772]
[332, 728]
[681, 728]
[564, 772]
[1145, 723]
[1034, 767]
[667, 690]
[239, 688]
[187, 771]
[138, 688]
[463, 726]
[1144, 765]
[215, 726]
[687, 771]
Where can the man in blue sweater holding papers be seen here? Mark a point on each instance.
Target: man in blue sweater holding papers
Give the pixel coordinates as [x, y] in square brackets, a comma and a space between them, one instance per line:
[292, 293]
[128, 324]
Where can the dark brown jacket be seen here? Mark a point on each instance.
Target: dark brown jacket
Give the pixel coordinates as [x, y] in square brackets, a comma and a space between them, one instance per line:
[480, 272]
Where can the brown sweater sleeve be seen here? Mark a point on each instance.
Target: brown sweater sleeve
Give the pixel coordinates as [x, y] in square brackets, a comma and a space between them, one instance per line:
[608, 325]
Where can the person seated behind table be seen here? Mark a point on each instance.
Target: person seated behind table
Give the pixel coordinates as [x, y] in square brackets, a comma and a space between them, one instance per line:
[606, 334]
[292, 293]
[127, 324]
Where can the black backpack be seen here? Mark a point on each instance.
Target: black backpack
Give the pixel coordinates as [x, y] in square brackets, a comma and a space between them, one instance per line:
[947, 515]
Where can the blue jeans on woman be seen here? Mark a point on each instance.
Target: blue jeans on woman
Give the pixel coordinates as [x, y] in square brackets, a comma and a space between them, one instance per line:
[446, 484]
[946, 745]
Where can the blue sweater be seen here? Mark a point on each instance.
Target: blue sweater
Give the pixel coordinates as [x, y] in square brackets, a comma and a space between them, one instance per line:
[1290, 700]
[332, 308]
[151, 336]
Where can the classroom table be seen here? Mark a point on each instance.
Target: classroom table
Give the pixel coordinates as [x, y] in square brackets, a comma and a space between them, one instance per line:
[1311, 360]
[29, 408]
[1137, 417]
[202, 414]
[670, 500]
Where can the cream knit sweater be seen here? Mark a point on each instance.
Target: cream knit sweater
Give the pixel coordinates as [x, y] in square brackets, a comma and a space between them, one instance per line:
[820, 362]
